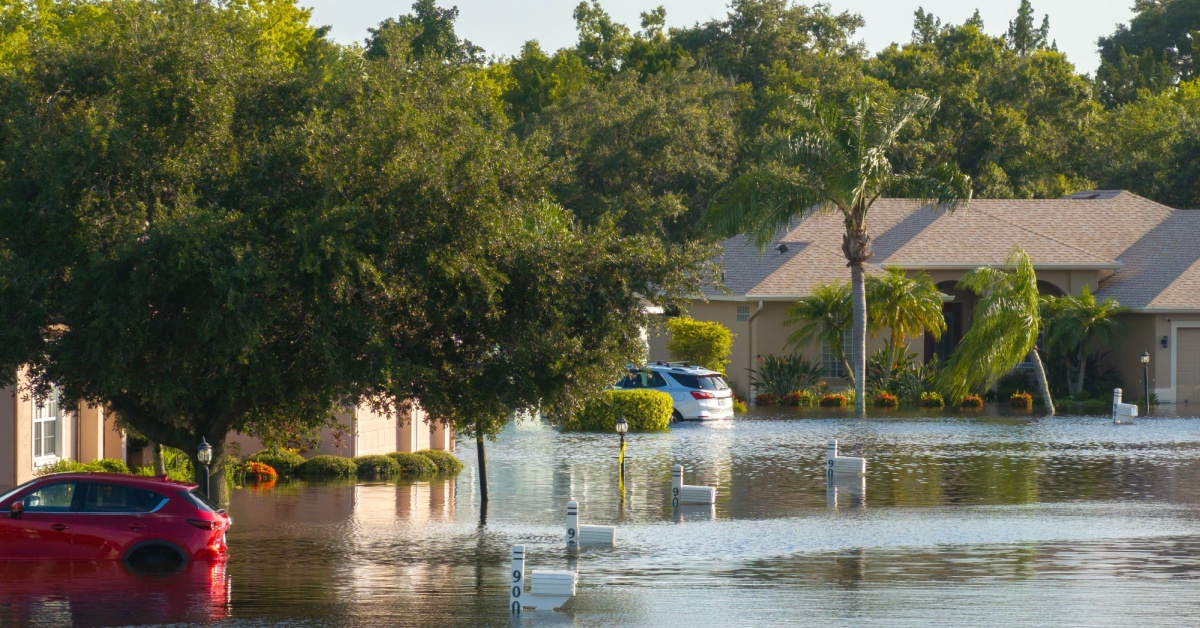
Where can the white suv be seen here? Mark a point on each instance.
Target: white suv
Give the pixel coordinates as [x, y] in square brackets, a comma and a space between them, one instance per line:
[698, 393]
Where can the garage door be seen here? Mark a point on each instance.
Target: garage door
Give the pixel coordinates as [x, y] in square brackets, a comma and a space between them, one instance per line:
[1187, 377]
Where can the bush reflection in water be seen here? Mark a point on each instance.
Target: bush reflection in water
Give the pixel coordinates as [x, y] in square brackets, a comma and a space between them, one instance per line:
[998, 520]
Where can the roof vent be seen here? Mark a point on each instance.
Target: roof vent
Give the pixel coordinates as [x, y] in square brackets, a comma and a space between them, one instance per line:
[782, 248]
[1094, 195]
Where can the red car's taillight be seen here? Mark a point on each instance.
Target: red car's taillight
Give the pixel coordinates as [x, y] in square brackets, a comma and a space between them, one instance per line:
[700, 394]
[204, 524]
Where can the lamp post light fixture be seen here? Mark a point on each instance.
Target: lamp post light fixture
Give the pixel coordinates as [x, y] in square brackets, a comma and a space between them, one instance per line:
[1146, 378]
[622, 427]
[204, 457]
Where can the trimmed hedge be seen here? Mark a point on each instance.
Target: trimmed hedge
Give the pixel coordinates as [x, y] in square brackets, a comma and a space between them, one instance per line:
[446, 462]
[376, 466]
[67, 465]
[283, 461]
[706, 343]
[327, 467]
[644, 410]
[413, 465]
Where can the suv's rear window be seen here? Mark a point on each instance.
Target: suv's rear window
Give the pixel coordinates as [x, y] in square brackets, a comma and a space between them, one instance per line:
[201, 501]
[119, 498]
[700, 382]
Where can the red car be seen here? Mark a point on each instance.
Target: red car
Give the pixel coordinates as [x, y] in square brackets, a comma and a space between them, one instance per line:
[109, 516]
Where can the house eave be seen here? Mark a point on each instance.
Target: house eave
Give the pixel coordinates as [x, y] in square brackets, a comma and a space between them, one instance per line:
[959, 266]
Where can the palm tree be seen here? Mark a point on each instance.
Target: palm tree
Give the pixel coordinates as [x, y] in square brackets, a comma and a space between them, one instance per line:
[906, 305]
[1076, 325]
[842, 165]
[824, 315]
[1004, 328]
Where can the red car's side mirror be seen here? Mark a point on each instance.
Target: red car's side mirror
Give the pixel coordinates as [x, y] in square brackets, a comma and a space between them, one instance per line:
[14, 511]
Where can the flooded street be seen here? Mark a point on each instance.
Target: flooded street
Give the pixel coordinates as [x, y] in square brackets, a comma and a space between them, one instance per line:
[960, 520]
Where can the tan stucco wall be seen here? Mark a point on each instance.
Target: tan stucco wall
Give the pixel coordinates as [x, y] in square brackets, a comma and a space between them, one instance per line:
[23, 435]
[91, 433]
[8, 442]
[368, 433]
[376, 432]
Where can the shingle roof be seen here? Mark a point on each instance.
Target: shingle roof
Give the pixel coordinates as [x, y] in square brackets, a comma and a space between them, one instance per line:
[1154, 249]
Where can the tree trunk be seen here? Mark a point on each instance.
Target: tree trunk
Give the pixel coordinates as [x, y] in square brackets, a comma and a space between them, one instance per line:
[483, 489]
[858, 298]
[1075, 392]
[160, 464]
[1040, 371]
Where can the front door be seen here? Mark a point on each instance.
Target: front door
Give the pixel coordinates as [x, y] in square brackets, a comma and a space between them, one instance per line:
[1187, 366]
[943, 346]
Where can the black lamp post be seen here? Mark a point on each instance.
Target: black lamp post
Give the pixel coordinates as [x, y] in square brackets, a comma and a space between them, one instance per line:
[1146, 378]
[622, 427]
[204, 456]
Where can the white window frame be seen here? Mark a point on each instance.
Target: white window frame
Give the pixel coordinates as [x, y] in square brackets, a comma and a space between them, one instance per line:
[46, 412]
[829, 364]
[743, 313]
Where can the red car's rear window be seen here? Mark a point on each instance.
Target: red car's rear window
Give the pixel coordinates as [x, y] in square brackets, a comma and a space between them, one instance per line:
[201, 502]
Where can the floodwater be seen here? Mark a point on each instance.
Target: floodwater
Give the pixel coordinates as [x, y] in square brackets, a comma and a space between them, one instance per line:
[996, 520]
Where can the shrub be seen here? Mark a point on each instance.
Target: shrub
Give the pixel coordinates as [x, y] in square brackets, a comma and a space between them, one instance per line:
[413, 465]
[782, 375]
[644, 410]
[259, 472]
[700, 342]
[971, 402]
[834, 400]
[1020, 400]
[886, 400]
[108, 465]
[327, 467]
[446, 462]
[739, 407]
[931, 399]
[62, 465]
[766, 399]
[284, 461]
[378, 466]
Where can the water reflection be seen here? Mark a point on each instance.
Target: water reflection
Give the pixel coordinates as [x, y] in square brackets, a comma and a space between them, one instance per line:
[969, 519]
[107, 593]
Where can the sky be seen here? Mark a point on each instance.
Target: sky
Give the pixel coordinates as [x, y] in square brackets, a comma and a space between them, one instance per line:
[502, 26]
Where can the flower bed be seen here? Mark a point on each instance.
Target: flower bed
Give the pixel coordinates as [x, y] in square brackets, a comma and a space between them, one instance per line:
[886, 400]
[834, 400]
[258, 472]
[1020, 400]
[932, 400]
[971, 402]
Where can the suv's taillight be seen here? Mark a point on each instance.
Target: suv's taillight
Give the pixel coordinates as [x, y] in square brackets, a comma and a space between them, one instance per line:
[204, 524]
[700, 394]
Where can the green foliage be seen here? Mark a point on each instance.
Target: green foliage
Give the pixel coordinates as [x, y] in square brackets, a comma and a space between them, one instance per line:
[840, 165]
[376, 466]
[908, 306]
[68, 465]
[971, 402]
[739, 407]
[932, 400]
[1004, 327]
[824, 315]
[414, 465]
[888, 366]
[1163, 35]
[1077, 325]
[446, 462]
[284, 461]
[784, 374]
[327, 467]
[425, 35]
[886, 400]
[708, 344]
[644, 410]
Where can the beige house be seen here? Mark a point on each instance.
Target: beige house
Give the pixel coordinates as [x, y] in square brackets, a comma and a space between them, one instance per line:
[1143, 254]
[37, 432]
